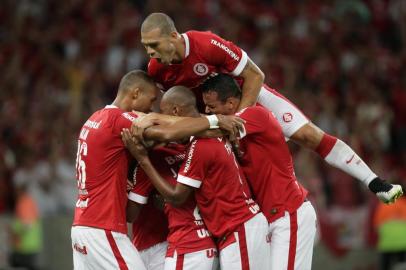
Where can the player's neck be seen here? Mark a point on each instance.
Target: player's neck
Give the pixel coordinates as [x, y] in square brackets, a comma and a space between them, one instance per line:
[193, 113]
[180, 49]
[119, 103]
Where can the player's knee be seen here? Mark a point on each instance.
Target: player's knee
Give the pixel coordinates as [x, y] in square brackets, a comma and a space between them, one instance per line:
[308, 136]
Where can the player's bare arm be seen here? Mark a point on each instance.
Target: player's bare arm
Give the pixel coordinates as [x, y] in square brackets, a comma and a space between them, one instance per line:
[182, 127]
[175, 195]
[253, 80]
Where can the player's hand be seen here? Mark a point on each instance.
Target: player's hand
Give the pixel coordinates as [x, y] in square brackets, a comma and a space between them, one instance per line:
[146, 120]
[141, 123]
[139, 114]
[231, 124]
[134, 145]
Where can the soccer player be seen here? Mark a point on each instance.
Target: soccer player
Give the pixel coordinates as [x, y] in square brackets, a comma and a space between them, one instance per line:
[189, 243]
[99, 239]
[267, 163]
[220, 189]
[190, 58]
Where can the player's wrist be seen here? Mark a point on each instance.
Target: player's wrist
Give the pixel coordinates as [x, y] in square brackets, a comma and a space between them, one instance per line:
[379, 185]
[213, 121]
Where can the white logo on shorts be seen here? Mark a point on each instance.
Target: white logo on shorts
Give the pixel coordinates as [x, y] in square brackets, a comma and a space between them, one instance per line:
[287, 117]
[201, 69]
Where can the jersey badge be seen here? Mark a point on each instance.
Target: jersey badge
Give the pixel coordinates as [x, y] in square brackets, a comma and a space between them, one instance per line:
[201, 69]
[287, 117]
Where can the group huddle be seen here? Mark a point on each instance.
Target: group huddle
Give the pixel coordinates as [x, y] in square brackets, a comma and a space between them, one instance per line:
[214, 160]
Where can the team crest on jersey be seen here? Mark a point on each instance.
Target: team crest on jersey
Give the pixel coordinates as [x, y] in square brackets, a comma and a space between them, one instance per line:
[201, 69]
[287, 117]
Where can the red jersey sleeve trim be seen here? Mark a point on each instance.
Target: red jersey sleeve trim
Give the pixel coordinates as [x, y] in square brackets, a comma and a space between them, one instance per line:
[137, 198]
[189, 181]
[241, 65]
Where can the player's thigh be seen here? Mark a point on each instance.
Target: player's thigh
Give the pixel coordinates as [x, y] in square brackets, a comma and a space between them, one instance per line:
[307, 227]
[92, 249]
[292, 239]
[230, 256]
[126, 250]
[154, 257]
[199, 260]
[256, 231]
[288, 115]
[251, 250]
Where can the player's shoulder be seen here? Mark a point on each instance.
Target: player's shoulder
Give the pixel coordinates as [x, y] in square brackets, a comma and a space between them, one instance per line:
[117, 116]
[207, 145]
[200, 144]
[129, 115]
[253, 110]
[194, 34]
[202, 39]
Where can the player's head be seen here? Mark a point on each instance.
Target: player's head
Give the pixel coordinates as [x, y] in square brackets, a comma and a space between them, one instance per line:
[221, 94]
[137, 91]
[159, 37]
[179, 101]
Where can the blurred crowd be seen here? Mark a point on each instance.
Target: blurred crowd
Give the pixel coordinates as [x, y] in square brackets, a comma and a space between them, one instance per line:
[342, 62]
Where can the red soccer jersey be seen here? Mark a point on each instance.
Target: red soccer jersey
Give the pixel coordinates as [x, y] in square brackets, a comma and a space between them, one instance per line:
[206, 54]
[222, 194]
[102, 167]
[150, 228]
[187, 232]
[267, 164]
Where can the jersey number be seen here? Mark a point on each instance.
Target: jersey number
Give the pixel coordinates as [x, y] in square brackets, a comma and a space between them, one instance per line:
[81, 165]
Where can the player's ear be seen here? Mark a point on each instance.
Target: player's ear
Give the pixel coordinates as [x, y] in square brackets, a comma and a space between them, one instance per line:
[135, 92]
[174, 34]
[176, 110]
[232, 103]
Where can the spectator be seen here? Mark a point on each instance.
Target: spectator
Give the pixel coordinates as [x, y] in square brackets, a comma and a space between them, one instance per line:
[390, 221]
[26, 231]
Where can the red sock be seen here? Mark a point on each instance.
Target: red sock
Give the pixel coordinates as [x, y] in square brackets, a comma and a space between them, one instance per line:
[326, 144]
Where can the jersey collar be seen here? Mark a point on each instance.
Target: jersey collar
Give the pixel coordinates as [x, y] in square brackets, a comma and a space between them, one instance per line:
[187, 45]
[111, 106]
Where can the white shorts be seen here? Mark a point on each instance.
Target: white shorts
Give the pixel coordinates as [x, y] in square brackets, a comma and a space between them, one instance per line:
[292, 238]
[200, 260]
[251, 250]
[154, 257]
[288, 115]
[101, 249]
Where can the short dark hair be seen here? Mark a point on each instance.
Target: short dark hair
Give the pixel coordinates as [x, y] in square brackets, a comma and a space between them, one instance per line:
[158, 20]
[135, 78]
[224, 85]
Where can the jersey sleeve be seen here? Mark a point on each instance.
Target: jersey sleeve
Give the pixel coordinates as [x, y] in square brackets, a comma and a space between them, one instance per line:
[255, 120]
[124, 120]
[142, 188]
[223, 53]
[192, 171]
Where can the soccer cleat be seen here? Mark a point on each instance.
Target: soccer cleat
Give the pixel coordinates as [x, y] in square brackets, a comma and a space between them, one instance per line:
[391, 195]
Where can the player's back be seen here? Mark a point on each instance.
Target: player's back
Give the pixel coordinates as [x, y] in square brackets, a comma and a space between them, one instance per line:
[268, 165]
[223, 196]
[102, 166]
